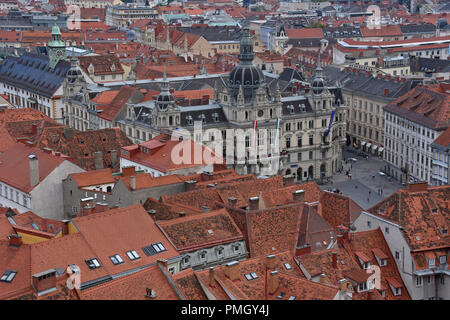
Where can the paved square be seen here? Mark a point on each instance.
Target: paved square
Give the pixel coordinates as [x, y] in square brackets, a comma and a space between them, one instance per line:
[365, 177]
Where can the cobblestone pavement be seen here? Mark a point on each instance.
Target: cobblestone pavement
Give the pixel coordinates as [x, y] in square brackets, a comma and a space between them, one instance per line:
[365, 177]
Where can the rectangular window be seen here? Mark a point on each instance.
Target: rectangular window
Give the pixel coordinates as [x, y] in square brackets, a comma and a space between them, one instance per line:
[8, 276]
[116, 259]
[93, 263]
[133, 255]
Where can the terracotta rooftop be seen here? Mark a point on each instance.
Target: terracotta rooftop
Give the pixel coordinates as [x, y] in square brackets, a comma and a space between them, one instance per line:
[422, 212]
[120, 230]
[444, 139]
[134, 287]
[15, 159]
[338, 209]
[95, 177]
[102, 64]
[201, 230]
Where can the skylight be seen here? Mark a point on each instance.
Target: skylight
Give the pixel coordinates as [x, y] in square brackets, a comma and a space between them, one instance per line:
[8, 276]
[154, 249]
[287, 266]
[133, 255]
[116, 259]
[93, 263]
[251, 276]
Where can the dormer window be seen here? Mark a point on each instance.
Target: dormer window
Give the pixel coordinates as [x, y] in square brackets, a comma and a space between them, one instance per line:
[442, 260]
[362, 286]
[202, 118]
[189, 120]
[383, 262]
[366, 265]
[431, 262]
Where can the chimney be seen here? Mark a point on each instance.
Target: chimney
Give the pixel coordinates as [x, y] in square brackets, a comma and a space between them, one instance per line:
[306, 249]
[65, 227]
[15, 240]
[44, 281]
[288, 181]
[253, 203]
[322, 278]
[403, 79]
[47, 150]
[212, 278]
[150, 293]
[274, 282]
[380, 75]
[34, 170]
[133, 182]
[181, 214]
[232, 201]
[162, 263]
[101, 207]
[190, 185]
[113, 155]
[386, 91]
[343, 285]
[387, 77]
[128, 171]
[33, 129]
[232, 270]
[418, 187]
[205, 209]
[299, 195]
[396, 78]
[98, 160]
[207, 176]
[334, 259]
[340, 240]
[270, 262]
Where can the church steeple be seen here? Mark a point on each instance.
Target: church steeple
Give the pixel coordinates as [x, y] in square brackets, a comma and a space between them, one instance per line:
[246, 54]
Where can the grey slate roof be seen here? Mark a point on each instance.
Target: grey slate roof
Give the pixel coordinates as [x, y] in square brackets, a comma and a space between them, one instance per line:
[418, 28]
[300, 104]
[32, 72]
[196, 113]
[367, 85]
[215, 33]
[419, 64]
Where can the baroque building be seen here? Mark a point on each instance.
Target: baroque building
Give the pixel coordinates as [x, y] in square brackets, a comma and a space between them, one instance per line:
[259, 127]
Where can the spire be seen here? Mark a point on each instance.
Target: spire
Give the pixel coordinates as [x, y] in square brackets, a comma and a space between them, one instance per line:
[246, 54]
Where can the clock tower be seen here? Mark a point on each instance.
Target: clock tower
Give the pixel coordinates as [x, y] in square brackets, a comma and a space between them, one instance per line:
[56, 47]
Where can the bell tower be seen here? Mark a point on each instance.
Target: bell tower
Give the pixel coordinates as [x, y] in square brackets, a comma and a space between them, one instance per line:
[166, 113]
[56, 47]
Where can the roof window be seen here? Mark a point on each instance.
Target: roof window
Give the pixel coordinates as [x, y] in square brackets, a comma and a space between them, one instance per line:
[116, 259]
[133, 255]
[93, 263]
[8, 276]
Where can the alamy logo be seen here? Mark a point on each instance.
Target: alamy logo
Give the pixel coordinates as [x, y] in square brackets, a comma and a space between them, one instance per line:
[238, 146]
[74, 279]
[74, 17]
[374, 21]
[374, 280]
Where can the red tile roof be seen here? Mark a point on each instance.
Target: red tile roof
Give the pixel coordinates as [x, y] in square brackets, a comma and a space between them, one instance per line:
[444, 138]
[384, 31]
[145, 180]
[201, 230]
[134, 287]
[95, 177]
[338, 209]
[422, 212]
[120, 230]
[103, 64]
[161, 158]
[15, 160]
[112, 110]
[304, 33]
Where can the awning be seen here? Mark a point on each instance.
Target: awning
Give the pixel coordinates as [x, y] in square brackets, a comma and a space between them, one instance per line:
[374, 147]
[363, 143]
[368, 145]
[381, 149]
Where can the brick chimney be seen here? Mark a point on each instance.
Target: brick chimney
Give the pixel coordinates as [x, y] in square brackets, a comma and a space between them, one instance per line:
[288, 181]
[274, 282]
[322, 278]
[207, 176]
[212, 278]
[65, 227]
[299, 195]
[181, 214]
[128, 171]
[232, 270]
[334, 259]
[44, 281]
[386, 91]
[34, 170]
[253, 203]
[271, 262]
[133, 182]
[15, 240]
[340, 240]
[190, 185]
[417, 187]
[306, 249]
[101, 207]
[163, 264]
[232, 201]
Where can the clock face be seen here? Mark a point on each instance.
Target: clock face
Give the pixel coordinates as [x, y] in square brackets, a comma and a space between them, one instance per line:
[59, 54]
